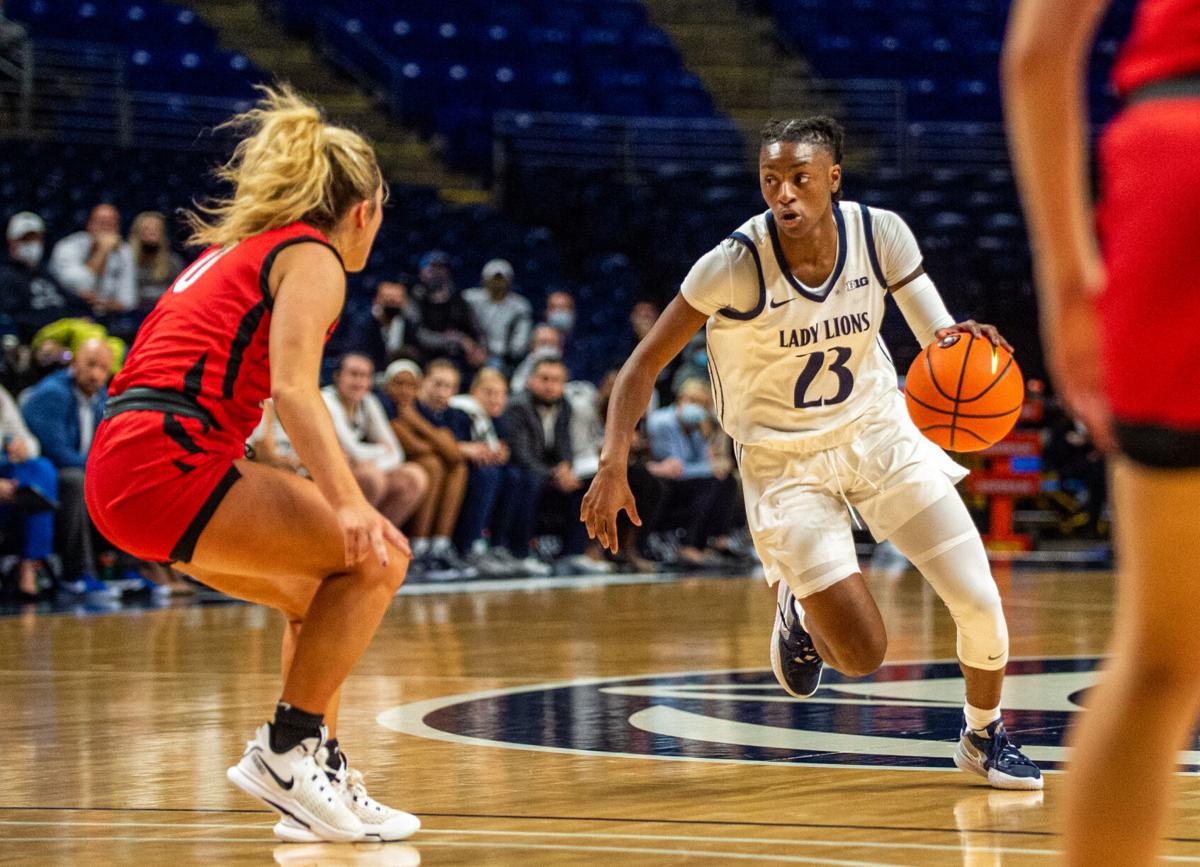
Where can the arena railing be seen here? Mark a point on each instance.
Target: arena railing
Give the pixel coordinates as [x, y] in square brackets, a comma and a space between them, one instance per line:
[77, 91]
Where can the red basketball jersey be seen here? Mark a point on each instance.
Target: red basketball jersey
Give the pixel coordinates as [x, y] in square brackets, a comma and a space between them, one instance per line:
[1164, 43]
[208, 335]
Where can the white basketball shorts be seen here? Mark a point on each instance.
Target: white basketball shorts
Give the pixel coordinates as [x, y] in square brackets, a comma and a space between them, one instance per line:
[798, 503]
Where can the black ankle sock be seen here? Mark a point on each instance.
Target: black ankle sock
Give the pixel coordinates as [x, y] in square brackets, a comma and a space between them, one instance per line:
[292, 725]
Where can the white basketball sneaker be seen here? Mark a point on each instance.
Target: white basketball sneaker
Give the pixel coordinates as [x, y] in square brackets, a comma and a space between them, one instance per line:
[381, 824]
[294, 785]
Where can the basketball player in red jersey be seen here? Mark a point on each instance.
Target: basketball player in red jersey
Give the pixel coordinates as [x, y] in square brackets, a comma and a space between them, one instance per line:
[166, 479]
[1122, 332]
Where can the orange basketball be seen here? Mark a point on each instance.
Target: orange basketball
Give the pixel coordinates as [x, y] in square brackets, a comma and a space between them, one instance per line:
[965, 396]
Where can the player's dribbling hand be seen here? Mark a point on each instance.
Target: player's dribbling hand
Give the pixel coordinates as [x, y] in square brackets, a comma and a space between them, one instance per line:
[365, 531]
[978, 329]
[607, 496]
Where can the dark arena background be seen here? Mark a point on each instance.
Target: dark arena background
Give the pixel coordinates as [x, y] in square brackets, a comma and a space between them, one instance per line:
[555, 167]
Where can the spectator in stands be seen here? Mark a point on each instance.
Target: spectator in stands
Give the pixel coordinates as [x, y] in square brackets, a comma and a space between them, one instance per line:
[560, 314]
[156, 264]
[538, 422]
[97, 265]
[391, 485]
[62, 411]
[270, 445]
[22, 466]
[447, 326]
[504, 316]
[648, 488]
[485, 474]
[29, 294]
[696, 498]
[485, 405]
[547, 342]
[641, 319]
[436, 450]
[693, 363]
[384, 331]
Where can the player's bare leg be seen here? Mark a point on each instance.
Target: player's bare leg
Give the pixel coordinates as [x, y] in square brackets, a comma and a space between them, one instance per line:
[276, 541]
[1120, 787]
[846, 626]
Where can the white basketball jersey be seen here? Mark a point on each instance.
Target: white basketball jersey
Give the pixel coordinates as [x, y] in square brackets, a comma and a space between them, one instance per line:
[802, 365]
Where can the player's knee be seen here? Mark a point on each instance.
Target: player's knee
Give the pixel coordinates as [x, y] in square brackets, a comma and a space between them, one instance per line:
[982, 631]
[413, 480]
[388, 577]
[861, 656]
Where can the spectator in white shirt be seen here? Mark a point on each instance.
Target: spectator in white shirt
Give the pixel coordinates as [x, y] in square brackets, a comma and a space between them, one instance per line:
[97, 265]
[504, 316]
[392, 486]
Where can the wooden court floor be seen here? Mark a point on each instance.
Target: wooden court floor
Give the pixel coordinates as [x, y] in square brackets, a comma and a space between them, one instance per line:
[598, 724]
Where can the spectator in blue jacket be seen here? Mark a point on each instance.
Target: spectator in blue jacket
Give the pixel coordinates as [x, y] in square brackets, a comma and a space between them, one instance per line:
[62, 411]
[696, 498]
[21, 465]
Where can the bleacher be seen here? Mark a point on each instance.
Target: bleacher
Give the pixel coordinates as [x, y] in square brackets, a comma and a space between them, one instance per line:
[448, 68]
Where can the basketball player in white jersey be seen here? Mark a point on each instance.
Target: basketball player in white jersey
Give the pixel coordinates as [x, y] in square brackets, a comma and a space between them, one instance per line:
[793, 302]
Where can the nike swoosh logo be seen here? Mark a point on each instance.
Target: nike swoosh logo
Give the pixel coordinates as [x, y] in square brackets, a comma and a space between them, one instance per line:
[775, 303]
[286, 785]
[997, 656]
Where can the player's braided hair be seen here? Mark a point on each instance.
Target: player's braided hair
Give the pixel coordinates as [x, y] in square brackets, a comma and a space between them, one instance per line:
[819, 130]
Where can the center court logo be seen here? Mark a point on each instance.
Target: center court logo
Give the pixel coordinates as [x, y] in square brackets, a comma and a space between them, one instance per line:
[905, 716]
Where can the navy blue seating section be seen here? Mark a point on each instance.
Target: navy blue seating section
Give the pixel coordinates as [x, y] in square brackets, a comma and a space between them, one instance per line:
[947, 52]
[63, 181]
[447, 67]
[167, 49]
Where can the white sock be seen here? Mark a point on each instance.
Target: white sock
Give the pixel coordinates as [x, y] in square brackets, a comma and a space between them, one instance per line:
[440, 544]
[420, 547]
[978, 719]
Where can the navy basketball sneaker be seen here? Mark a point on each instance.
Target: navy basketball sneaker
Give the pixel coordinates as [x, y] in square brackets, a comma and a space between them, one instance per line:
[990, 754]
[795, 661]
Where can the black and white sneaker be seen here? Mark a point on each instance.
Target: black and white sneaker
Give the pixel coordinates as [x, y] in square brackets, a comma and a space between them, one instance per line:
[294, 784]
[381, 824]
[794, 659]
[990, 754]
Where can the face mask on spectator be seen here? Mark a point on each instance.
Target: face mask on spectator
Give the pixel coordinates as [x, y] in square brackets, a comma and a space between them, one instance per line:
[391, 310]
[29, 253]
[692, 414]
[563, 320]
[151, 247]
[700, 359]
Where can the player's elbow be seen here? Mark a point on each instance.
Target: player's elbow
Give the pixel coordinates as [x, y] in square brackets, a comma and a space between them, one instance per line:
[289, 395]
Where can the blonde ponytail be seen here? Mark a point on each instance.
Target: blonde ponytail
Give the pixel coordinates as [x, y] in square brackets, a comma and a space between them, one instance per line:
[290, 167]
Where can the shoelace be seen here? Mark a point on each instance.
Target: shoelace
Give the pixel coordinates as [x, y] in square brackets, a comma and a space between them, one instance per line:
[1005, 751]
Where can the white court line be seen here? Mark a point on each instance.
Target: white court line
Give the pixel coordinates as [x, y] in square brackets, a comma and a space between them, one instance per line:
[658, 838]
[631, 850]
[637, 850]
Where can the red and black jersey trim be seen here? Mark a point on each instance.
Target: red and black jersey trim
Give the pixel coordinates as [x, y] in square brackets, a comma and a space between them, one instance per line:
[185, 548]
[264, 272]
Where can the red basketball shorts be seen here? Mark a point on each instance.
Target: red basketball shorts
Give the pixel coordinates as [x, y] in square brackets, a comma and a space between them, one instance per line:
[1149, 222]
[153, 481]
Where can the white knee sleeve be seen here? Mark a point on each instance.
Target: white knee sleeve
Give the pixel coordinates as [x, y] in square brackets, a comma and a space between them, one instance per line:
[944, 545]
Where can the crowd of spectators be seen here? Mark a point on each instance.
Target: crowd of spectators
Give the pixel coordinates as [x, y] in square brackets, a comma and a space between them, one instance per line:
[457, 411]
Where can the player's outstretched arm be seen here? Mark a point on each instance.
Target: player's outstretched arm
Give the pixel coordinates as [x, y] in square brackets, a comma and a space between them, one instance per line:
[1045, 55]
[609, 492]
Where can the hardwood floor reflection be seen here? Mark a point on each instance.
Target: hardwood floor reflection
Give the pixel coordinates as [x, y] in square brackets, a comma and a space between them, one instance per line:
[659, 738]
